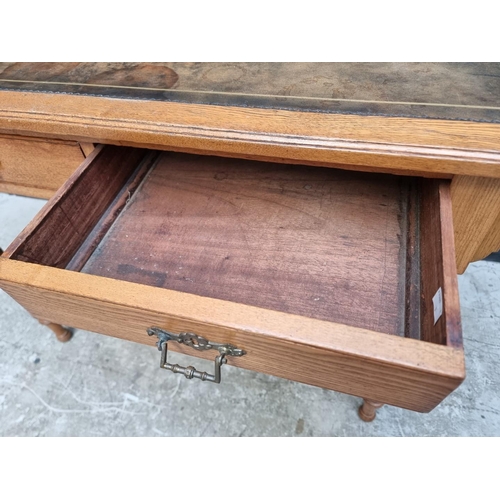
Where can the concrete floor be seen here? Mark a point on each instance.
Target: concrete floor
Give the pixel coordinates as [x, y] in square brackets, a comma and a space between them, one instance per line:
[100, 386]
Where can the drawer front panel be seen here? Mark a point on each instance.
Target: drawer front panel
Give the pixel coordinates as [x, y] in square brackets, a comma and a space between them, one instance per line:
[398, 371]
[36, 167]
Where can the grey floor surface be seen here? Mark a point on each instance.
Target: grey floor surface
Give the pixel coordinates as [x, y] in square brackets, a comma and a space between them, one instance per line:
[101, 386]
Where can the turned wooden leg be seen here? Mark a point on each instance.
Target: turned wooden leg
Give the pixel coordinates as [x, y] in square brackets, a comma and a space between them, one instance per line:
[62, 334]
[368, 410]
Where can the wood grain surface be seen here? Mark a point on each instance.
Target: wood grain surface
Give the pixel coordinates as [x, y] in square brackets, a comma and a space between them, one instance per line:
[413, 264]
[399, 371]
[438, 266]
[476, 218]
[59, 229]
[113, 210]
[491, 242]
[87, 148]
[35, 167]
[322, 243]
[435, 148]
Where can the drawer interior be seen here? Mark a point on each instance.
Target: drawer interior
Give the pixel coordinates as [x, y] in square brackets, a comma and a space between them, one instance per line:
[326, 244]
[353, 248]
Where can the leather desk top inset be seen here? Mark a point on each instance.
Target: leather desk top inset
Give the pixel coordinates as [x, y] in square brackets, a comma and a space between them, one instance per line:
[452, 91]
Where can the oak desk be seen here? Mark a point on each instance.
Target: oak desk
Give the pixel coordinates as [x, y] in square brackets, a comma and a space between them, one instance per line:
[320, 212]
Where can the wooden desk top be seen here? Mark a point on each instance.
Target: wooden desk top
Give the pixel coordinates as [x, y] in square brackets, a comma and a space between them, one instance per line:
[456, 91]
[432, 119]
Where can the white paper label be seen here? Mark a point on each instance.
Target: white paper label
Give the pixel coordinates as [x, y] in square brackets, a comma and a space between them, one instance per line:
[437, 300]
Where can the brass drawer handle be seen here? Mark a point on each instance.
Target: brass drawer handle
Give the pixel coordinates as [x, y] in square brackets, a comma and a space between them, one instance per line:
[196, 342]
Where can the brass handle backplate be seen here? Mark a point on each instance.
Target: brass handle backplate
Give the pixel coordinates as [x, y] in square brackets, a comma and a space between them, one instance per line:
[196, 342]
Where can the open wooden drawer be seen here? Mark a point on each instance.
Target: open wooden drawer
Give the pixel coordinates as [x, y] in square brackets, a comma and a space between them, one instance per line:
[338, 279]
